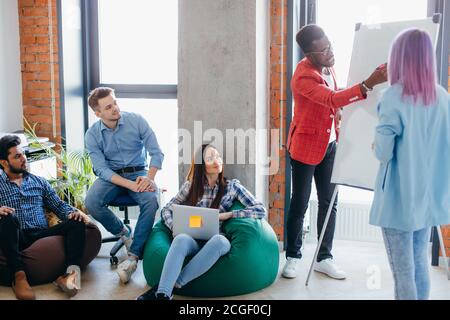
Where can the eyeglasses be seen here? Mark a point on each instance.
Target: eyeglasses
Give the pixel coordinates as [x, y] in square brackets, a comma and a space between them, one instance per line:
[327, 51]
[210, 159]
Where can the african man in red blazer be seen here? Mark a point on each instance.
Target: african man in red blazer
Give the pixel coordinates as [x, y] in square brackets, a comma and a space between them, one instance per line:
[311, 143]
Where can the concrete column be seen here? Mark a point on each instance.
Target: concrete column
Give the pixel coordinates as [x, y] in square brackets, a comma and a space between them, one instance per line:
[222, 81]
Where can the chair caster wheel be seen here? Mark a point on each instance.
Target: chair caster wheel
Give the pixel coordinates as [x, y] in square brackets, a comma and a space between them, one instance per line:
[114, 260]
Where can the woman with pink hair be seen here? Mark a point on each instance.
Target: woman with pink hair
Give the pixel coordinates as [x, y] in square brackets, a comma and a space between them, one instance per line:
[412, 143]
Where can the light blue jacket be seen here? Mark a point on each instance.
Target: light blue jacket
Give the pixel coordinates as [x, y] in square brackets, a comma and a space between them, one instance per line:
[412, 142]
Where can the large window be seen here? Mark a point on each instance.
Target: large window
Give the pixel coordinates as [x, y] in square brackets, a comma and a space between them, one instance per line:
[138, 41]
[133, 48]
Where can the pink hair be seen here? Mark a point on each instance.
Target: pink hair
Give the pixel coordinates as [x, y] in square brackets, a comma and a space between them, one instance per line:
[412, 64]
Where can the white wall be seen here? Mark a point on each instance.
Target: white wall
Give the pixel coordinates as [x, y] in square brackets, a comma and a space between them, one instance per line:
[11, 110]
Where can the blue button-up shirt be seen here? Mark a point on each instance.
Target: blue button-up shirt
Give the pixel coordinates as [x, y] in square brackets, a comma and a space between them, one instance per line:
[30, 200]
[125, 146]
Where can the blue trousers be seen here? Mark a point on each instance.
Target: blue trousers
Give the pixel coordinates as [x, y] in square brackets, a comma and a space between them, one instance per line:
[103, 192]
[407, 254]
[204, 258]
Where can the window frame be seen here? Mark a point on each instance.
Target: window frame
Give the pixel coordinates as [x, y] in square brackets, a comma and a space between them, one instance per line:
[91, 67]
[138, 91]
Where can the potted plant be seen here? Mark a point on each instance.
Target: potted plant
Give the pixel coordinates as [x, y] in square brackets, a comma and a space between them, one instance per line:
[75, 171]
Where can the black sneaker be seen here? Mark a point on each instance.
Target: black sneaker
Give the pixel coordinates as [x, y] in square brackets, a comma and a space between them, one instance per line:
[149, 295]
[162, 296]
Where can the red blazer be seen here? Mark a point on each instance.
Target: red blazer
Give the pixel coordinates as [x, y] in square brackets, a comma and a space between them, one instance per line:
[315, 107]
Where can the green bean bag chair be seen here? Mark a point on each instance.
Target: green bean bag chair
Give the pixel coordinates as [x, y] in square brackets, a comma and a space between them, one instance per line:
[251, 264]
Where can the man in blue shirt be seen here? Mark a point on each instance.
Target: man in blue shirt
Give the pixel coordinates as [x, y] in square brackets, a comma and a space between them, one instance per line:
[23, 197]
[118, 144]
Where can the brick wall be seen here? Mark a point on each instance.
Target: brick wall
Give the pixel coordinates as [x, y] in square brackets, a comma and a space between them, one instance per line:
[446, 237]
[278, 50]
[35, 57]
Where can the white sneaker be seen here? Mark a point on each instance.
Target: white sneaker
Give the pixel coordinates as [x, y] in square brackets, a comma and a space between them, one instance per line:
[329, 268]
[290, 268]
[125, 269]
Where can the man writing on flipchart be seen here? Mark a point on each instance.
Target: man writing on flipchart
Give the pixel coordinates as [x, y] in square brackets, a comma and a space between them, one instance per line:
[312, 140]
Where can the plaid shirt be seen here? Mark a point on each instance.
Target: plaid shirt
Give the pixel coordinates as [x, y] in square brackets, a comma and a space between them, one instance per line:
[30, 200]
[234, 191]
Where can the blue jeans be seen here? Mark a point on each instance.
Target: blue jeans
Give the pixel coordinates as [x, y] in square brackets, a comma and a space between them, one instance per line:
[204, 258]
[407, 254]
[103, 192]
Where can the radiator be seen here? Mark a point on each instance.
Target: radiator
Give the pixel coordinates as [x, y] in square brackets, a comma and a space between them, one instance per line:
[352, 223]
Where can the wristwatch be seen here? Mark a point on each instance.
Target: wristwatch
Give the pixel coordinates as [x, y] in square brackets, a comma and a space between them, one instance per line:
[366, 87]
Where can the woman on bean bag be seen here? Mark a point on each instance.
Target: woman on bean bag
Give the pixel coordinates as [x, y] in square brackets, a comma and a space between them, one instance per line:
[207, 187]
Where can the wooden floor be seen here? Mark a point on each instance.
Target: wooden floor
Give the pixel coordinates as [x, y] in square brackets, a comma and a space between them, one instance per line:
[369, 278]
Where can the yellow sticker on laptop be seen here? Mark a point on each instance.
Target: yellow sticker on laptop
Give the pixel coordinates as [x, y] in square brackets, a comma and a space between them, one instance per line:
[195, 221]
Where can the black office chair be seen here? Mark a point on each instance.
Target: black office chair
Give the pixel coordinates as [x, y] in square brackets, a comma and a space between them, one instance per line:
[123, 201]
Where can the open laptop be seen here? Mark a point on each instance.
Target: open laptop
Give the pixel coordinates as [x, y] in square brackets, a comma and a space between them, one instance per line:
[200, 223]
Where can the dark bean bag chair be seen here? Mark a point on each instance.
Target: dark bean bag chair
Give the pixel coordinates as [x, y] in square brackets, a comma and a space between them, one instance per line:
[251, 264]
[44, 259]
